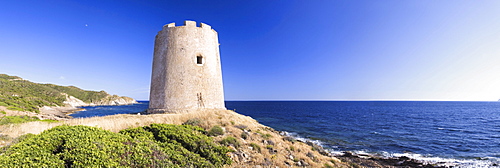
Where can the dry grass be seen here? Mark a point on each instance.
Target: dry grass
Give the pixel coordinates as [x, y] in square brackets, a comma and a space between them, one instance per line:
[275, 150]
[116, 123]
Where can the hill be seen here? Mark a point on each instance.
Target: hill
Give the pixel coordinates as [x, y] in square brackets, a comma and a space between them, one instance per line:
[22, 95]
[251, 144]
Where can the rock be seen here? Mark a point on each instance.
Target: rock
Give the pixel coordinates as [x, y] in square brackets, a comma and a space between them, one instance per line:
[267, 162]
[288, 164]
[318, 148]
[291, 139]
[109, 100]
[73, 101]
[304, 163]
[113, 100]
[310, 155]
[299, 163]
[347, 154]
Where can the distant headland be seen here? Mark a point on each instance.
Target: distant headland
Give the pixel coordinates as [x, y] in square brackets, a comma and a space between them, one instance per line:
[50, 101]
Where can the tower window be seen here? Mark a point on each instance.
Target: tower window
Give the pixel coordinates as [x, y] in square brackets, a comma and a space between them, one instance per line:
[199, 60]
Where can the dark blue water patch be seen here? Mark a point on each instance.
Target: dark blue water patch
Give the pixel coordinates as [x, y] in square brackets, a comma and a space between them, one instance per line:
[93, 111]
[441, 129]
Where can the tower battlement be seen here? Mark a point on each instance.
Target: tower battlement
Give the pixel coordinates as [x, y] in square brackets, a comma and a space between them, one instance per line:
[189, 23]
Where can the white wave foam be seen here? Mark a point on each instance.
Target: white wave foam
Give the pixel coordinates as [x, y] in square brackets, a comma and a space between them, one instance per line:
[297, 137]
[449, 162]
[490, 162]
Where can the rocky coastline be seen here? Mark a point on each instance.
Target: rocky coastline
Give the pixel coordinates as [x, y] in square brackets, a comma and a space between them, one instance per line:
[365, 160]
[73, 104]
[368, 160]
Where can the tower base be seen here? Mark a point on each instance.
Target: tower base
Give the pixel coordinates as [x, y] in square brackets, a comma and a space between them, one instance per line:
[177, 111]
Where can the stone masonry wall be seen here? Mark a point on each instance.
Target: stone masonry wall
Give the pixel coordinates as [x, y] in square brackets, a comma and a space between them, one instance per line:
[186, 70]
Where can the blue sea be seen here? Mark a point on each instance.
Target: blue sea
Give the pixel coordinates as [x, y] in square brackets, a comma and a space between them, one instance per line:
[464, 134]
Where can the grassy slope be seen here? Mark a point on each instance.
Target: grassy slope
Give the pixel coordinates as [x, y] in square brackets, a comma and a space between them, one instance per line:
[22, 95]
[255, 144]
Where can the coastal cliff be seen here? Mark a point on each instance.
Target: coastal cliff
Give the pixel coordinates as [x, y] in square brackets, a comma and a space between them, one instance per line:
[49, 101]
[109, 100]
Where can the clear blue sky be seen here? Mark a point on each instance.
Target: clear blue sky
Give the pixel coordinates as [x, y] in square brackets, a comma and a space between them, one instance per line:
[270, 50]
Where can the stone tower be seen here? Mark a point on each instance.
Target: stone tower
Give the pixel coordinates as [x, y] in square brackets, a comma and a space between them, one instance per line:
[186, 70]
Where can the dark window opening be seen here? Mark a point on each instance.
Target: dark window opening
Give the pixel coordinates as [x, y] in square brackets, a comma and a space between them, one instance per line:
[199, 60]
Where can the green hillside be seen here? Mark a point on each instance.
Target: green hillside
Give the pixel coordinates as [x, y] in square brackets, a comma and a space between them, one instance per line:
[23, 95]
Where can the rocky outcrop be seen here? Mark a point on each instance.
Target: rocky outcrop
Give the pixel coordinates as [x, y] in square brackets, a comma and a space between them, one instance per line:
[109, 100]
[73, 101]
[114, 100]
[72, 104]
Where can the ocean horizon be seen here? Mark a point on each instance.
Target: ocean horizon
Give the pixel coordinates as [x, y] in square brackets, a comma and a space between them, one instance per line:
[461, 133]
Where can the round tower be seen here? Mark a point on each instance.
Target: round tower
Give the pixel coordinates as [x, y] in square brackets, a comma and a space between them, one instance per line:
[186, 70]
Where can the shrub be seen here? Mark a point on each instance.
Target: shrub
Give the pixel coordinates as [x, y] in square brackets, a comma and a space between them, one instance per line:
[230, 141]
[241, 126]
[326, 165]
[14, 108]
[244, 135]
[193, 122]
[157, 145]
[3, 112]
[3, 104]
[215, 131]
[17, 119]
[266, 136]
[14, 141]
[255, 147]
[67, 146]
[193, 139]
[20, 119]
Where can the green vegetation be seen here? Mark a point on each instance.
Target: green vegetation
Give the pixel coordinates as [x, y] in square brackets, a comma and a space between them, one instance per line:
[244, 135]
[20, 119]
[326, 165]
[157, 145]
[22, 95]
[85, 96]
[216, 131]
[17, 119]
[18, 94]
[230, 141]
[241, 126]
[269, 146]
[255, 147]
[266, 136]
[193, 122]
